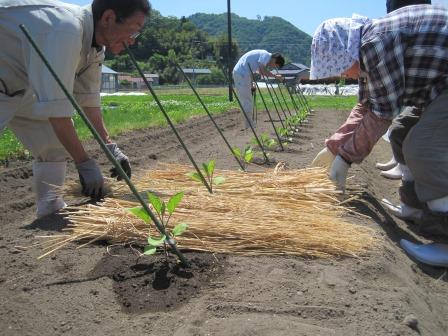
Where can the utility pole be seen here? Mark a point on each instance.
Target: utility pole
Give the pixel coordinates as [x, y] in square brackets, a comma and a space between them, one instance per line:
[229, 49]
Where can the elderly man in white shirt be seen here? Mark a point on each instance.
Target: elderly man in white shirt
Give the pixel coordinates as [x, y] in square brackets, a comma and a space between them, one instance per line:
[258, 60]
[33, 106]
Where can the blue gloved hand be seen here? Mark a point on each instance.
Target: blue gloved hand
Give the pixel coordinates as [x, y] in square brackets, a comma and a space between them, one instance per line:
[122, 159]
[91, 179]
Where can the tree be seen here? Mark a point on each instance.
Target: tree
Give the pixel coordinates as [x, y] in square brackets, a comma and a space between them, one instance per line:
[221, 52]
[215, 78]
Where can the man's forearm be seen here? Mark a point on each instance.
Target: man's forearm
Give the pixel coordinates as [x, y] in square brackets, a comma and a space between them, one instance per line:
[96, 118]
[66, 133]
[370, 129]
[267, 73]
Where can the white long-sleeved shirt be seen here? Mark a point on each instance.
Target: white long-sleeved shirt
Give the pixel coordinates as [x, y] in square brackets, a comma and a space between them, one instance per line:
[254, 58]
[64, 33]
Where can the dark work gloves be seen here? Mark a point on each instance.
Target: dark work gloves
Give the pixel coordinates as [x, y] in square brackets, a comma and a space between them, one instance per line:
[122, 159]
[91, 179]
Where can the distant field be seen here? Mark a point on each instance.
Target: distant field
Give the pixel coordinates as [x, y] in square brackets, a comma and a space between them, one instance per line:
[125, 113]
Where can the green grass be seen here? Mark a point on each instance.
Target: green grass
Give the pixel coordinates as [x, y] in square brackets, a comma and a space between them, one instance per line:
[332, 102]
[125, 113]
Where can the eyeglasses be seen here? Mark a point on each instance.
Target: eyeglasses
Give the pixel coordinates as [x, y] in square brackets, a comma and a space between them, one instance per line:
[131, 36]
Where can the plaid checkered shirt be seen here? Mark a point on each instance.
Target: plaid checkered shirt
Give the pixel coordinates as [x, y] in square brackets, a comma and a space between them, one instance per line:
[404, 59]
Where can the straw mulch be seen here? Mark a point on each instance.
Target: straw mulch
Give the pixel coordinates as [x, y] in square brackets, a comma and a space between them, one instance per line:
[274, 212]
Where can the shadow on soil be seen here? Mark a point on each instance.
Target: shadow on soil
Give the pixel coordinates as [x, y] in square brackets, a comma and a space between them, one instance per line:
[157, 283]
[368, 205]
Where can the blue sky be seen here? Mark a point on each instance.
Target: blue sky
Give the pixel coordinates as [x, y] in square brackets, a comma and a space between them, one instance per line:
[304, 14]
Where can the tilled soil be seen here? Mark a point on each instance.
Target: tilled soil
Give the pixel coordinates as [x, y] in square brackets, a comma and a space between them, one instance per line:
[92, 291]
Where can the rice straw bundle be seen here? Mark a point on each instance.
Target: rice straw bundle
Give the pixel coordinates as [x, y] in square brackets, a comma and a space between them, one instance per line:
[274, 212]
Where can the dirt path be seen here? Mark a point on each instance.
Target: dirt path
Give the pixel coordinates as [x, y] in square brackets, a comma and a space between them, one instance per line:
[85, 291]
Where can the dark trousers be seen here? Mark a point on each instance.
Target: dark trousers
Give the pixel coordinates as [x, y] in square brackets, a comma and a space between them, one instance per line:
[400, 128]
[425, 150]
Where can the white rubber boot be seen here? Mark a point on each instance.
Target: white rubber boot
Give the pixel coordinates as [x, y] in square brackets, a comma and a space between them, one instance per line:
[439, 205]
[403, 211]
[46, 175]
[388, 165]
[393, 174]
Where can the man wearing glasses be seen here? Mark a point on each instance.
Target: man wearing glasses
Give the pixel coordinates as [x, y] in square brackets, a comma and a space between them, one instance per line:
[33, 106]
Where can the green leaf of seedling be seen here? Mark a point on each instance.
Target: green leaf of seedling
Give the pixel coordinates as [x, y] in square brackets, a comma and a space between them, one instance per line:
[179, 229]
[156, 242]
[219, 180]
[195, 176]
[211, 168]
[140, 213]
[249, 155]
[271, 142]
[149, 250]
[156, 202]
[174, 202]
[205, 169]
[236, 151]
[163, 208]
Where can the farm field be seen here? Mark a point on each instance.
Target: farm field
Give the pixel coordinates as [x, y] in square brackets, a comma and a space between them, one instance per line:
[126, 113]
[90, 291]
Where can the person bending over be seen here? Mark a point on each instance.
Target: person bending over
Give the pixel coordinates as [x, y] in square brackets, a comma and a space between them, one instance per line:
[32, 105]
[400, 60]
[259, 61]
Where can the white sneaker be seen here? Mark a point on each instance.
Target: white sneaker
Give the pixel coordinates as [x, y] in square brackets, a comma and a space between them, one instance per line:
[403, 211]
[388, 165]
[393, 174]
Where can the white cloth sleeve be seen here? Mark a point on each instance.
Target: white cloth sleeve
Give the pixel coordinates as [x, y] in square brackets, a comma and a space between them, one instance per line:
[62, 51]
[88, 81]
[264, 58]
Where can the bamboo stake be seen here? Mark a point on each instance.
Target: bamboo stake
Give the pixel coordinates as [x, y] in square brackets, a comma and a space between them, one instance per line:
[101, 143]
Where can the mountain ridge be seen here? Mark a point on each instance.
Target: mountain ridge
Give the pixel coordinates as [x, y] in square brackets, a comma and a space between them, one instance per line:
[272, 33]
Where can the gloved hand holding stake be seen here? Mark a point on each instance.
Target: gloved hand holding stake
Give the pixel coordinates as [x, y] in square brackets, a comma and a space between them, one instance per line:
[122, 159]
[338, 172]
[91, 179]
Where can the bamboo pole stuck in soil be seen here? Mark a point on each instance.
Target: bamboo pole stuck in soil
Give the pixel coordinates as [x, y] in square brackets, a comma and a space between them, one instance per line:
[267, 111]
[265, 105]
[210, 116]
[168, 119]
[301, 96]
[263, 150]
[276, 96]
[254, 109]
[283, 96]
[266, 80]
[124, 176]
[296, 107]
[273, 212]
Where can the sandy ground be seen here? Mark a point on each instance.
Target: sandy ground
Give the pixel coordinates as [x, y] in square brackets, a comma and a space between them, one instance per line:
[88, 292]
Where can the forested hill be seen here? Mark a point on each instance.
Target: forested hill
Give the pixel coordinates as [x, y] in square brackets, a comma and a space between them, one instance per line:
[271, 33]
[167, 41]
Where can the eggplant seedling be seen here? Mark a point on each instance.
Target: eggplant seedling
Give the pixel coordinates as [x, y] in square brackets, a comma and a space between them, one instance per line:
[245, 156]
[209, 169]
[164, 212]
[265, 141]
[285, 134]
